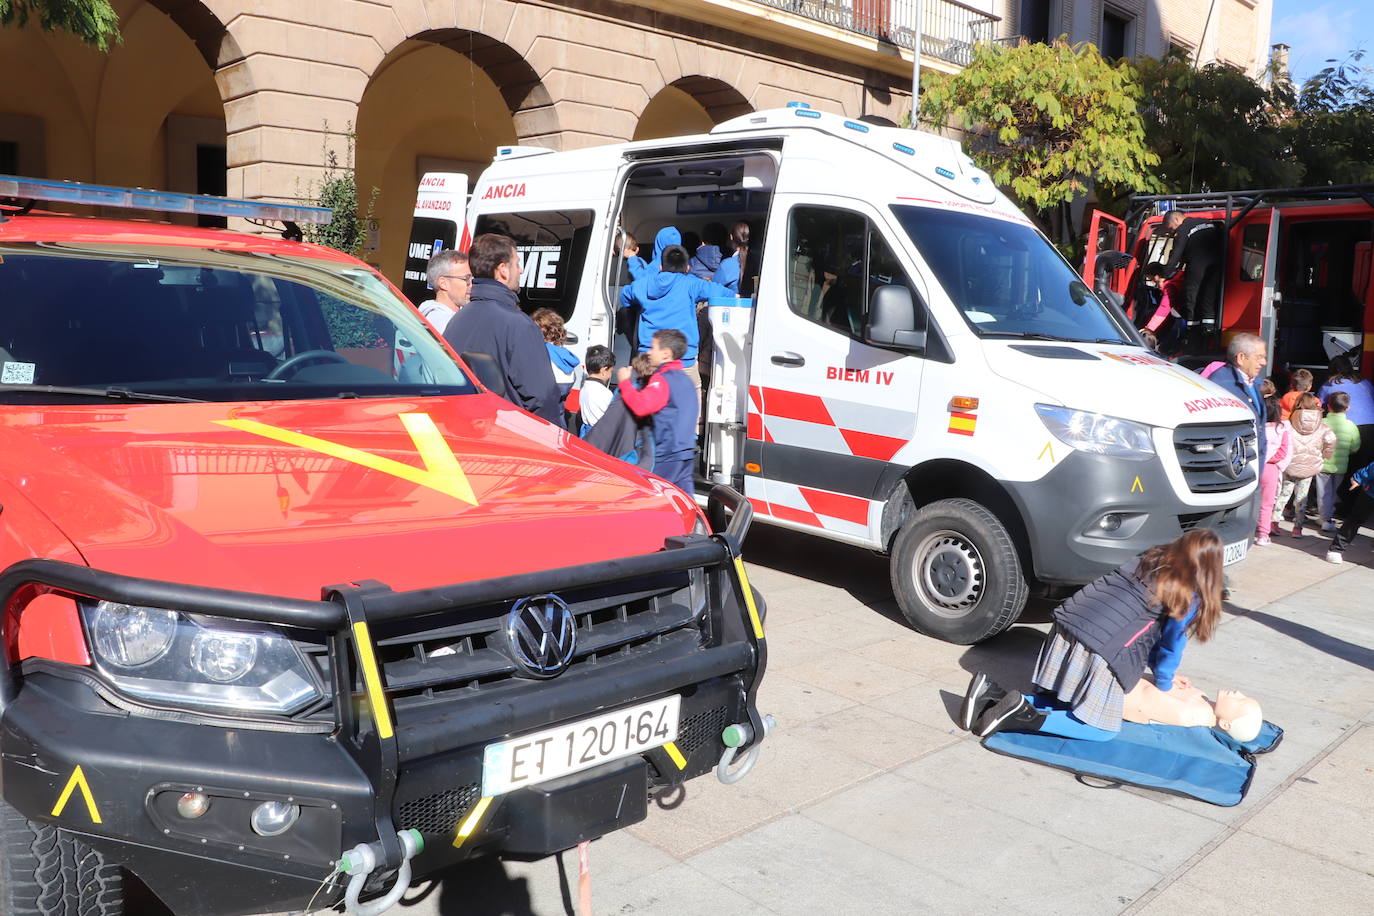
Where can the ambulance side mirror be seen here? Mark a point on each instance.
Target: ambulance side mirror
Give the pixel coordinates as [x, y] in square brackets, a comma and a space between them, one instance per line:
[486, 370]
[892, 320]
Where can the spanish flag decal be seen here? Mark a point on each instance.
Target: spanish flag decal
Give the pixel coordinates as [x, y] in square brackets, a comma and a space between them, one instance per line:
[962, 423]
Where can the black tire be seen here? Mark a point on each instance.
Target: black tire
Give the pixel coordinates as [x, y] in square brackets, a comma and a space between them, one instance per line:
[956, 573]
[50, 872]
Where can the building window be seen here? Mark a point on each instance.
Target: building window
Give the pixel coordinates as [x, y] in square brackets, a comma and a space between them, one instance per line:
[212, 177]
[1036, 16]
[1116, 31]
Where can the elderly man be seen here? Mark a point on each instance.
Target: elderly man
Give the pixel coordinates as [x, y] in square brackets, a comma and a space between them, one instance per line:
[1246, 357]
[492, 323]
[451, 280]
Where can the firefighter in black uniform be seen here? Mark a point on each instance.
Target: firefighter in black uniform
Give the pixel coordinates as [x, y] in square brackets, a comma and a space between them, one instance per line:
[1197, 247]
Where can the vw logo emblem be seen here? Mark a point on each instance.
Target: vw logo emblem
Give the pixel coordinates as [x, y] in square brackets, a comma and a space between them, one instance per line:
[1235, 457]
[543, 635]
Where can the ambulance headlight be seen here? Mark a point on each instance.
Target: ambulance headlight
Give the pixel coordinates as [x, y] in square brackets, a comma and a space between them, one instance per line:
[175, 659]
[1098, 434]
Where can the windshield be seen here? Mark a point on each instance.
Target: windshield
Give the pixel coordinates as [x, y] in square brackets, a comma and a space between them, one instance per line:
[207, 325]
[1006, 279]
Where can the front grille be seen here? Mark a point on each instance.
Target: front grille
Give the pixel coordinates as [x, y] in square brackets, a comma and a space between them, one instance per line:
[438, 814]
[430, 657]
[1190, 520]
[1204, 456]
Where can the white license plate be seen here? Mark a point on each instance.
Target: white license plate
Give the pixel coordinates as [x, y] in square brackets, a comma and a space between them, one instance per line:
[531, 759]
[1234, 553]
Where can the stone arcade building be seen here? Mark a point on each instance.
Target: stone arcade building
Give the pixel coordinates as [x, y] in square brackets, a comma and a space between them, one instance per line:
[245, 96]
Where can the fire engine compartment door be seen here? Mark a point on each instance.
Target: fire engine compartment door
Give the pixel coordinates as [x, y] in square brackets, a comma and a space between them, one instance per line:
[1271, 297]
[1105, 233]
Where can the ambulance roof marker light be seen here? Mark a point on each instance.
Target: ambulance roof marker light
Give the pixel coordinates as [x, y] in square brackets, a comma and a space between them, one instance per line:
[798, 105]
[807, 113]
[97, 195]
[855, 125]
[903, 148]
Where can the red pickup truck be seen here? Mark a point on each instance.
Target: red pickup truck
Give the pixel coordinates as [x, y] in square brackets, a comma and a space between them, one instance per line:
[268, 597]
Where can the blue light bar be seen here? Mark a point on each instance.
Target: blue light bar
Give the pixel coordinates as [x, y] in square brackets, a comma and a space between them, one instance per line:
[903, 148]
[807, 113]
[798, 105]
[944, 172]
[855, 125]
[99, 195]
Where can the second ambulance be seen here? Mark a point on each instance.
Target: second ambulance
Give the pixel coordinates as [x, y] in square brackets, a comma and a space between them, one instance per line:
[911, 367]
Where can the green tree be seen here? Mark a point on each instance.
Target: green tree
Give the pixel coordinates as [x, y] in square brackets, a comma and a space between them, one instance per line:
[1331, 128]
[1048, 122]
[1214, 128]
[93, 21]
[337, 190]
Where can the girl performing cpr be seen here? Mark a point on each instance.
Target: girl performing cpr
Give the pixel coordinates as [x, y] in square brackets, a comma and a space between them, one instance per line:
[1103, 638]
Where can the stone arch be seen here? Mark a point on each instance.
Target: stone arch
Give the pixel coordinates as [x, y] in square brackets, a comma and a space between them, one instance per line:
[203, 27]
[110, 117]
[528, 99]
[719, 99]
[690, 105]
[404, 128]
[480, 32]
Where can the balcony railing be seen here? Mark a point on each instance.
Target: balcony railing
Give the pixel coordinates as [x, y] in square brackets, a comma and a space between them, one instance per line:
[949, 29]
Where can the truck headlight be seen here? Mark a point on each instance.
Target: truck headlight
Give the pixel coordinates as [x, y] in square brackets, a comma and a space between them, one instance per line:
[177, 659]
[1098, 434]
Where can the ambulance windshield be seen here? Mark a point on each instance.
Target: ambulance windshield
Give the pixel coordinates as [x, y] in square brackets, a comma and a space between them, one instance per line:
[1006, 279]
[161, 322]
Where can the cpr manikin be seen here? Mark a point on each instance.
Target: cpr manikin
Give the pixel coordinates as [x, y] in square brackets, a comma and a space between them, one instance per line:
[1233, 712]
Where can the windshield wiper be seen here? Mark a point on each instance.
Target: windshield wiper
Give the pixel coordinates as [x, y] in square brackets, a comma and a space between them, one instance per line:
[1022, 335]
[114, 393]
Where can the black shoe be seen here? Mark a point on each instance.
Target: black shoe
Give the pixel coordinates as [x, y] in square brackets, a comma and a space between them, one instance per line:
[982, 693]
[1011, 713]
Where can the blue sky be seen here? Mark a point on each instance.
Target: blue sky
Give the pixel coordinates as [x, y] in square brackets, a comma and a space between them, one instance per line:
[1323, 29]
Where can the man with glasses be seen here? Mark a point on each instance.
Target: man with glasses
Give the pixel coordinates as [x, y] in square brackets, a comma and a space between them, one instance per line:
[451, 279]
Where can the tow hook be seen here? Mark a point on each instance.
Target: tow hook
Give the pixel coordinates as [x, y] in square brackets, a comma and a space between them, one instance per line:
[358, 864]
[735, 737]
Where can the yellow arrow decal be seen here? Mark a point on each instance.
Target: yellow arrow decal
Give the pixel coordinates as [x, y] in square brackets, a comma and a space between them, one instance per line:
[441, 472]
[1046, 450]
[1137, 487]
[78, 779]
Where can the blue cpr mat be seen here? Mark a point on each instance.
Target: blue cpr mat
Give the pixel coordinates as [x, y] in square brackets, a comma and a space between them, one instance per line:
[1198, 762]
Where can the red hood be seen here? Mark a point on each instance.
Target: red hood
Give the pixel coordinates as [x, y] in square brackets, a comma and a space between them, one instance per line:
[167, 491]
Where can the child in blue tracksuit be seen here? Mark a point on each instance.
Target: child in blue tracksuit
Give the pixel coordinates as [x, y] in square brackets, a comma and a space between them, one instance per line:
[670, 398]
[668, 300]
[1355, 516]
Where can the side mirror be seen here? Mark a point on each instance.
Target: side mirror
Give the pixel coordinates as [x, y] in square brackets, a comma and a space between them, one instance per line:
[486, 370]
[892, 319]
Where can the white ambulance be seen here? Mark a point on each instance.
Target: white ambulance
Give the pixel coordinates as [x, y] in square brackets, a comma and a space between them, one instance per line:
[913, 367]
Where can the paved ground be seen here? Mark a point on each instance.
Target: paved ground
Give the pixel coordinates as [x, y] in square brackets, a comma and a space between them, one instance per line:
[869, 799]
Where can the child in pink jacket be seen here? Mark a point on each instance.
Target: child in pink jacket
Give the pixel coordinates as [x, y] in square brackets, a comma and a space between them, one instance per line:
[1310, 443]
[1276, 459]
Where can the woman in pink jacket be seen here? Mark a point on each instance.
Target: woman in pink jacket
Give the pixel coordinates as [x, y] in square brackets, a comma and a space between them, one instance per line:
[1275, 460]
[1310, 443]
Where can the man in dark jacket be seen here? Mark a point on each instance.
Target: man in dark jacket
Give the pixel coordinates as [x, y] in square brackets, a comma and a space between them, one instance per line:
[492, 323]
[1197, 247]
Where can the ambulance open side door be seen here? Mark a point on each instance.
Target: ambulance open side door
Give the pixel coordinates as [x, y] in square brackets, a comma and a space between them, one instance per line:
[826, 410]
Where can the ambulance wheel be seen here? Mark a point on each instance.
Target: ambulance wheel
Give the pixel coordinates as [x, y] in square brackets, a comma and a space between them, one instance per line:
[46, 870]
[956, 573]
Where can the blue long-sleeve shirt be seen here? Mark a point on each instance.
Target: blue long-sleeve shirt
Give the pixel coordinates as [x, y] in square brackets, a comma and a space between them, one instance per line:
[1168, 652]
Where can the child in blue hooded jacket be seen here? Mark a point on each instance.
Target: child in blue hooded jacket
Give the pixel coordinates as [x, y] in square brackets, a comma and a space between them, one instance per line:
[1362, 481]
[668, 299]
